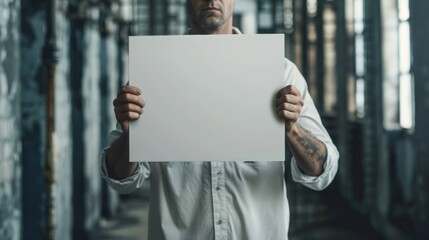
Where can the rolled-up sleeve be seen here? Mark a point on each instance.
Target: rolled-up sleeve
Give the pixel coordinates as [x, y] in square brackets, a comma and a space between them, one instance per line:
[320, 182]
[309, 120]
[127, 184]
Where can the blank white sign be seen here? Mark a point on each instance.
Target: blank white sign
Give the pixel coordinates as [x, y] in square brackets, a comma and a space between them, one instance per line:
[208, 98]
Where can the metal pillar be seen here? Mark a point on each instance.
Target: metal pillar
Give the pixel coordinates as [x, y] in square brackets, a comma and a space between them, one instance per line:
[76, 73]
[419, 39]
[50, 59]
[374, 144]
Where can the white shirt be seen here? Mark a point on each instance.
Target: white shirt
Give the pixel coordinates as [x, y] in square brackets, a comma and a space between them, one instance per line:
[227, 200]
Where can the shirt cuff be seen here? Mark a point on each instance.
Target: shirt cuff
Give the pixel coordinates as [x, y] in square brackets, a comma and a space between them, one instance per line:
[320, 182]
[127, 184]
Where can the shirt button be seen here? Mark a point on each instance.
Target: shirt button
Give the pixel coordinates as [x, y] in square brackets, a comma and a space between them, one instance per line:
[219, 173]
[217, 188]
[219, 222]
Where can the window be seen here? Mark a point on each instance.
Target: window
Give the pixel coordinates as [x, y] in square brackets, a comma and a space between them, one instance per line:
[152, 17]
[398, 82]
[406, 91]
[356, 75]
[329, 32]
[312, 49]
[360, 62]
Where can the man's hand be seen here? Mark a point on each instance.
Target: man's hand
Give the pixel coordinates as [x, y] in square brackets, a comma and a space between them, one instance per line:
[128, 106]
[310, 153]
[288, 105]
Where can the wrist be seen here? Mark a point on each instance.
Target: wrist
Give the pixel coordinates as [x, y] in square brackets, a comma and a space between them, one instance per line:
[291, 128]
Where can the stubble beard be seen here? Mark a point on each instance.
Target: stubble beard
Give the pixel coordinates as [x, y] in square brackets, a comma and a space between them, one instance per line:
[210, 23]
[206, 21]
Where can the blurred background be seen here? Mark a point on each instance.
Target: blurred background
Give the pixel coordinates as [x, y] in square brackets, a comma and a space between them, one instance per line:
[62, 61]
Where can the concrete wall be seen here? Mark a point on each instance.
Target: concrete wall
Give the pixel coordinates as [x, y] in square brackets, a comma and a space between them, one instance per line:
[34, 79]
[63, 141]
[10, 143]
[87, 122]
[109, 74]
[33, 119]
[84, 90]
[87, 77]
[91, 121]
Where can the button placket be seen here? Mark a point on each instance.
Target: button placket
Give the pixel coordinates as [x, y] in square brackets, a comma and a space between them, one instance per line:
[216, 199]
[222, 199]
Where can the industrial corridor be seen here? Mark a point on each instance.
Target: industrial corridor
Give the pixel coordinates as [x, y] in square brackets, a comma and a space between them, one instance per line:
[64, 62]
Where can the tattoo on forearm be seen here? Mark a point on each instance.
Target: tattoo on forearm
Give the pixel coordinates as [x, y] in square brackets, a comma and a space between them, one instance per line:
[312, 147]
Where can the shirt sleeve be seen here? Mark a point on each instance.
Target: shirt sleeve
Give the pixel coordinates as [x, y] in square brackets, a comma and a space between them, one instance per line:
[127, 184]
[311, 122]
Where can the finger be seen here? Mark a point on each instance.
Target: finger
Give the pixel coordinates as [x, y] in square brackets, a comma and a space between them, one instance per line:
[129, 107]
[288, 98]
[128, 98]
[289, 89]
[127, 116]
[288, 116]
[289, 107]
[125, 126]
[129, 89]
[122, 115]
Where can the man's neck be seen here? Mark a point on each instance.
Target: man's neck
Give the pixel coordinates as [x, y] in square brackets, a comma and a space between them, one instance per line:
[225, 29]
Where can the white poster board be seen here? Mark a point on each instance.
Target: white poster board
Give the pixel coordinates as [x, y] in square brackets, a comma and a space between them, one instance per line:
[208, 97]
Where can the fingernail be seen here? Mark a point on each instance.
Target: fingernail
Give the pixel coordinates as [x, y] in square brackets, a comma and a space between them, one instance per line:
[139, 91]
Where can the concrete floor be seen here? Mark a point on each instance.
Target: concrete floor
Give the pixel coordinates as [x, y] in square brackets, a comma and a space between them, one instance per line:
[131, 221]
[129, 224]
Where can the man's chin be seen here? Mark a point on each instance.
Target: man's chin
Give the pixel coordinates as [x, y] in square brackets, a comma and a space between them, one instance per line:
[211, 20]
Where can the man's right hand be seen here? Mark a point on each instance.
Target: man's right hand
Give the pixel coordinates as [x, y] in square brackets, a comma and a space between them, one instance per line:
[128, 106]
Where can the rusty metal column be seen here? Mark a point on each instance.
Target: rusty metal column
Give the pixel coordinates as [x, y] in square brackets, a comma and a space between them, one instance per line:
[50, 58]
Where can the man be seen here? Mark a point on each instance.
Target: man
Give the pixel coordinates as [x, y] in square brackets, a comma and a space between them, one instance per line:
[224, 200]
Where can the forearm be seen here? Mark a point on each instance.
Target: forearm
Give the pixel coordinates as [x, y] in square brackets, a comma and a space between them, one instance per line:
[309, 152]
[117, 159]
